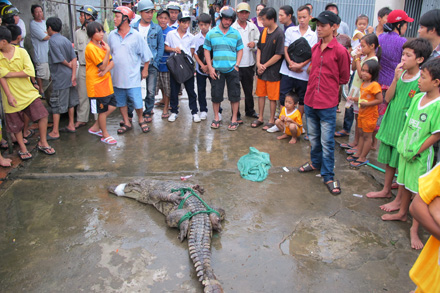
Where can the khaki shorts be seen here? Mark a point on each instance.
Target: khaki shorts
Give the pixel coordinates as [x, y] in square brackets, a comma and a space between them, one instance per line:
[43, 71]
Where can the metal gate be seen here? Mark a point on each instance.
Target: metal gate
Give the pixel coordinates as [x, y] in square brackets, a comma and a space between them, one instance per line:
[413, 8]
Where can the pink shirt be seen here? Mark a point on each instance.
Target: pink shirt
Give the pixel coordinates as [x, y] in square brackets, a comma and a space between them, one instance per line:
[330, 68]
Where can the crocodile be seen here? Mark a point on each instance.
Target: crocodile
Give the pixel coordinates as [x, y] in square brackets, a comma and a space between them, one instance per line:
[166, 196]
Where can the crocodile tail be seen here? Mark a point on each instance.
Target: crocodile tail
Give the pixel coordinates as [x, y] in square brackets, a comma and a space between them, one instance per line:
[212, 286]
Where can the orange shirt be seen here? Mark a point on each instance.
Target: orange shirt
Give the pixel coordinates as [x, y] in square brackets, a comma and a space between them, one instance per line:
[97, 86]
[368, 94]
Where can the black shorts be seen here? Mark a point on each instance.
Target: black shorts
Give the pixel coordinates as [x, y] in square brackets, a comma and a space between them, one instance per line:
[100, 105]
[232, 80]
[292, 84]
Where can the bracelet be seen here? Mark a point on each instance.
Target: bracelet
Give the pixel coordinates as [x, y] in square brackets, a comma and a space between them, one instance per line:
[357, 59]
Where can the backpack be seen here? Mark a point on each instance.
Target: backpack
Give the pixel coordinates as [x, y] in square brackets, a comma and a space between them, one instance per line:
[300, 50]
[201, 54]
[181, 67]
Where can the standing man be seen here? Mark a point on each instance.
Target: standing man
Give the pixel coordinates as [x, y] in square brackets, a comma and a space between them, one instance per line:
[87, 14]
[152, 33]
[174, 10]
[330, 69]
[249, 34]
[343, 27]
[40, 42]
[127, 44]
[227, 47]
[294, 74]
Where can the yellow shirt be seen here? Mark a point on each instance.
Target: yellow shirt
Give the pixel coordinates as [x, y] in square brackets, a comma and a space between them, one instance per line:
[295, 115]
[426, 270]
[21, 87]
[97, 86]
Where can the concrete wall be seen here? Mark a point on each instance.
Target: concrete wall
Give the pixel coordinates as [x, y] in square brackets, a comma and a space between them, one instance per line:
[392, 4]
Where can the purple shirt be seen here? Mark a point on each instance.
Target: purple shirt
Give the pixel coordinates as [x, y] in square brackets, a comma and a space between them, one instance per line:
[260, 28]
[391, 44]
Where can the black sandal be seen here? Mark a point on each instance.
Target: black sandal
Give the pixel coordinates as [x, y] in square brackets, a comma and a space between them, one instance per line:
[332, 185]
[124, 128]
[307, 167]
[144, 126]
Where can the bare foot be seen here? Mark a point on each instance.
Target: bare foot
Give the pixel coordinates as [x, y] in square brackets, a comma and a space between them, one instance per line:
[394, 217]
[379, 194]
[282, 136]
[416, 243]
[391, 206]
[293, 140]
[4, 162]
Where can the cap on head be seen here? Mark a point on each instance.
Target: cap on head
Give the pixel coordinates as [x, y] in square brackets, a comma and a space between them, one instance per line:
[90, 10]
[174, 6]
[398, 16]
[124, 10]
[183, 15]
[331, 4]
[161, 11]
[243, 6]
[145, 5]
[327, 17]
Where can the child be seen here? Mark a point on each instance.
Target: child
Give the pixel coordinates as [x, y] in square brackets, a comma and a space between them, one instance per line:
[269, 59]
[163, 76]
[204, 22]
[177, 41]
[290, 118]
[371, 96]
[19, 96]
[99, 81]
[426, 209]
[382, 16]
[62, 64]
[399, 96]
[368, 46]
[420, 131]
[360, 31]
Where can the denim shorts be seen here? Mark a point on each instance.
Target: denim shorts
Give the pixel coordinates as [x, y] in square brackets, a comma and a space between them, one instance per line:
[134, 94]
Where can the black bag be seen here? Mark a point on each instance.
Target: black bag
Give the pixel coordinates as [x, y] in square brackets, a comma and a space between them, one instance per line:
[181, 67]
[300, 50]
[201, 54]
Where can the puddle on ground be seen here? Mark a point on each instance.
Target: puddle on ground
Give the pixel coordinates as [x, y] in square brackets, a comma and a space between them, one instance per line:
[332, 242]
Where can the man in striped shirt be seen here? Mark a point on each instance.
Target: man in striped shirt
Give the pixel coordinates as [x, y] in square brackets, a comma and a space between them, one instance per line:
[227, 47]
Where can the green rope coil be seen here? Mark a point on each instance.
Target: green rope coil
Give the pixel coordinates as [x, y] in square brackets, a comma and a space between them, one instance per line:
[189, 215]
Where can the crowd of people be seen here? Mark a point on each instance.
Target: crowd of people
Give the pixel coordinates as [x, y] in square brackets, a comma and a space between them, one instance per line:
[300, 68]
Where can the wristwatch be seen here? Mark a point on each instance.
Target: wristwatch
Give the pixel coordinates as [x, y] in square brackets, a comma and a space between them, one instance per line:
[236, 65]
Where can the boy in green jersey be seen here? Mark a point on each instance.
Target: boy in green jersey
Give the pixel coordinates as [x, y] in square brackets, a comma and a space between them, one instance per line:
[420, 131]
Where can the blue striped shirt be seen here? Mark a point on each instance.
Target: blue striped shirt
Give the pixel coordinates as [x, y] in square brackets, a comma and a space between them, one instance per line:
[224, 47]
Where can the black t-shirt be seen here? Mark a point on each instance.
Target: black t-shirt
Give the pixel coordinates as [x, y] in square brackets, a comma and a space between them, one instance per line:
[270, 45]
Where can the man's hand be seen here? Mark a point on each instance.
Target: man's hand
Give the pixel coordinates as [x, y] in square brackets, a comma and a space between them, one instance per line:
[177, 50]
[74, 80]
[260, 69]
[212, 73]
[251, 45]
[144, 72]
[398, 72]
[204, 69]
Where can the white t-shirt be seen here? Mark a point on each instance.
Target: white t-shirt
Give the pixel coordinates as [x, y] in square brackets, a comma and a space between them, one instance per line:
[23, 31]
[143, 30]
[185, 43]
[248, 58]
[291, 35]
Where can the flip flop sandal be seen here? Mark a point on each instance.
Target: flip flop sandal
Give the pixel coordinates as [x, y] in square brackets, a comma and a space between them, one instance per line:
[144, 127]
[351, 151]
[352, 158]
[215, 124]
[159, 104]
[25, 155]
[98, 133]
[31, 132]
[148, 118]
[307, 167]
[121, 123]
[267, 126]
[256, 123]
[359, 164]
[109, 140]
[166, 115]
[124, 128]
[46, 150]
[80, 125]
[233, 126]
[67, 130]
[345, 146]
[340, 134]
[334, 185]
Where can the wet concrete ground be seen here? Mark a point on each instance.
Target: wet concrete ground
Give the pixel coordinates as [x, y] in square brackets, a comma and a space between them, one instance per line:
[62, 231]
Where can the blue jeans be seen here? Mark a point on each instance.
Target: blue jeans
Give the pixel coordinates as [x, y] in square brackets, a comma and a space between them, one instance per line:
[321, 129]
[174, 97]
[150, 81]
[201, 91]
